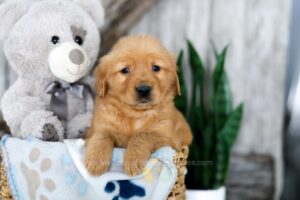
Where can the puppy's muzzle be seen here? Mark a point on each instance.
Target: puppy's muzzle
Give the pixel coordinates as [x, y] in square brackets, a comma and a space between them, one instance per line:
[143, 93]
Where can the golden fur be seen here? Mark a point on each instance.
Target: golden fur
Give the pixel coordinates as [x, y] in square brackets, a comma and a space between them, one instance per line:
[121, 120]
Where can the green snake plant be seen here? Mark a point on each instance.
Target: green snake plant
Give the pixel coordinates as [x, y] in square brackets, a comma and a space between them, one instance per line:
[213, 120]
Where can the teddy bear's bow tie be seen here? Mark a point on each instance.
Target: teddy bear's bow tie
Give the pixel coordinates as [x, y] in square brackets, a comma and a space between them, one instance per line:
[57, 88]
[58, 91]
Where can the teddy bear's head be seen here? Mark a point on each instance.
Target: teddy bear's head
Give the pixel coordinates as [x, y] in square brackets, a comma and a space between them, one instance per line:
[51, 39]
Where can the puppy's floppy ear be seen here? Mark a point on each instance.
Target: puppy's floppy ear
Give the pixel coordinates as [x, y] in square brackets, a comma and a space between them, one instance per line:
[101, 76]
[176, 84]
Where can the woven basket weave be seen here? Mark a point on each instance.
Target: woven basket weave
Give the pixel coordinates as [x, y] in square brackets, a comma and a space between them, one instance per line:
[177, 193]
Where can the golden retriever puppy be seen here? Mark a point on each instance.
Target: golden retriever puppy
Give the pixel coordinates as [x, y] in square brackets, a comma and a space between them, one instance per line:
[135, 84]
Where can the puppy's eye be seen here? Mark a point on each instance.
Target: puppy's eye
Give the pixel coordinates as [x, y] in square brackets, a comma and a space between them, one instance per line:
[55, 39]
[155, 68]
[78, 40]
[125, 70]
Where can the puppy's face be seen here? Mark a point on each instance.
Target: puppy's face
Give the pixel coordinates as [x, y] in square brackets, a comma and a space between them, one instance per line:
[139, 72]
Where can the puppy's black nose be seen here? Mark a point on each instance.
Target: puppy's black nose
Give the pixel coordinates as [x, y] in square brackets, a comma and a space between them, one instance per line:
[143, 90]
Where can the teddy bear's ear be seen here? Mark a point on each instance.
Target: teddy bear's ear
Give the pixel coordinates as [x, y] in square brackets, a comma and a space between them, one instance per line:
[94, 8]
[10, 13]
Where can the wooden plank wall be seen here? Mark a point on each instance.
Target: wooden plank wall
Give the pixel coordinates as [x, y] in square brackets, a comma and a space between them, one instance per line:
[2, 73]
[7, 75]
[2, 69]
[257, 32]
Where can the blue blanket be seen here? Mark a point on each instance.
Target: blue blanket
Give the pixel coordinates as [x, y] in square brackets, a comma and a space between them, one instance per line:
[52, 170]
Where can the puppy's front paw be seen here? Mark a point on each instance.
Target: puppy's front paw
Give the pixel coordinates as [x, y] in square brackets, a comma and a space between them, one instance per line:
[97, 164]
[134, 163]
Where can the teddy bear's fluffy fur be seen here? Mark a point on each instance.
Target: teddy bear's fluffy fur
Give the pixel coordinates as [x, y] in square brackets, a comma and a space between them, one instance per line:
[26, 29]
[123, 117]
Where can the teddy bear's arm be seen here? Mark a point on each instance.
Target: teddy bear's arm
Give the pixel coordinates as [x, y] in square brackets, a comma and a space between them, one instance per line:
[25, 114]
[77, 127]
[89, 80]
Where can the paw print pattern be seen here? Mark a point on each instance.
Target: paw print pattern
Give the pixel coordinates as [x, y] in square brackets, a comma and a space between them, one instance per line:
[149, 175]
[33, 178]
[127, 189]
[163, 172]
[70, 177]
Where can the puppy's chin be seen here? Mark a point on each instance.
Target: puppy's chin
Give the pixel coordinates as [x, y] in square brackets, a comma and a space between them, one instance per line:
[142, 104]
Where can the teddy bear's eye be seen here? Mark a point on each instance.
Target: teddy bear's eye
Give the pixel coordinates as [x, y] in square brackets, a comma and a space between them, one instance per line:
[55, 39]
[78, 40]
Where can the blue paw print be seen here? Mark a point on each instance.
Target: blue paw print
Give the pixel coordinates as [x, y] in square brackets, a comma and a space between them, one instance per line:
[71, 178]
[127, 189]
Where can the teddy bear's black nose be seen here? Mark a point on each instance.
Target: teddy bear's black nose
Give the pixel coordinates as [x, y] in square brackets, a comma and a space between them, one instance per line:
[76, 56]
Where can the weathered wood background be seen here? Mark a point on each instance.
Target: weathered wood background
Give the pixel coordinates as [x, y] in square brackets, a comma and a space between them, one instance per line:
[257, 32]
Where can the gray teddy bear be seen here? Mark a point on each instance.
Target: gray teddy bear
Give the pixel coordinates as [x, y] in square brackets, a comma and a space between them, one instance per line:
[52, 45]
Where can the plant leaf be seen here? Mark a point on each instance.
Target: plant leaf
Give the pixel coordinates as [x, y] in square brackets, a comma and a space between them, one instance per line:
[194, 175]
[197, 101]
[232, 125]
[214, 48]
[207, 152]
[195, 117]
[197, 67]
[225, 141]
[221, 101]
[221, 154]
[219, 69]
